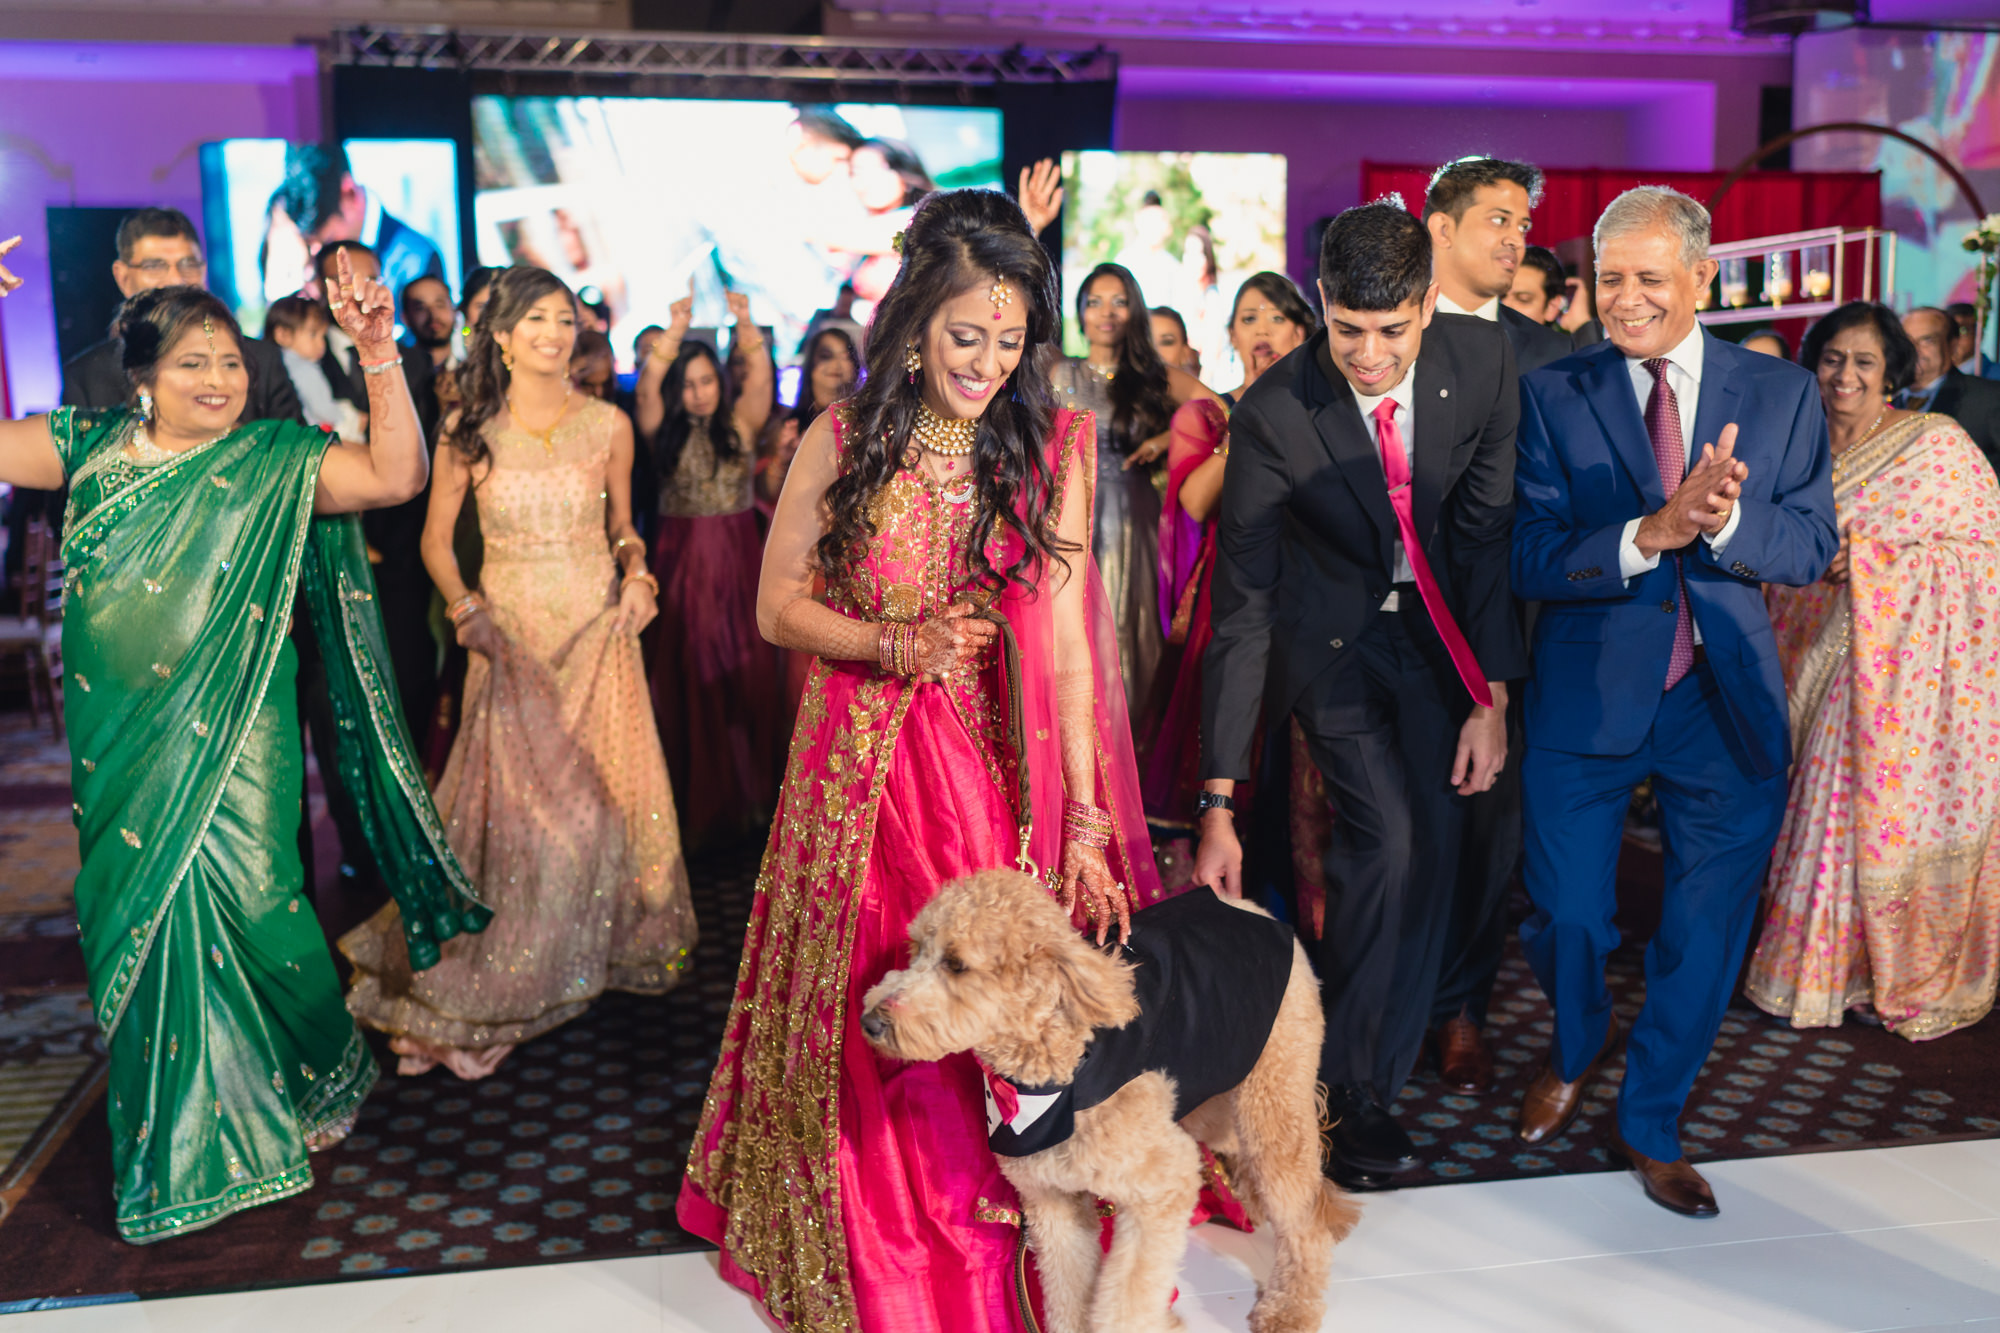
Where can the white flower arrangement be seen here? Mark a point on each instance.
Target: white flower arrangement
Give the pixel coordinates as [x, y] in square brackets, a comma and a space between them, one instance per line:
[1985, 236]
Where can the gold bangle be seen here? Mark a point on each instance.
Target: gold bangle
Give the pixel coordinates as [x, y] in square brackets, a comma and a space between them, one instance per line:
[642, 576]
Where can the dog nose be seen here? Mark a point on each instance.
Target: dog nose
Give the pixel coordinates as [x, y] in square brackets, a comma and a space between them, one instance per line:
[873, 1025]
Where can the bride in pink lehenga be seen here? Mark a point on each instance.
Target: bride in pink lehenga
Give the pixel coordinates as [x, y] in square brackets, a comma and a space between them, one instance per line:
[847, 1190]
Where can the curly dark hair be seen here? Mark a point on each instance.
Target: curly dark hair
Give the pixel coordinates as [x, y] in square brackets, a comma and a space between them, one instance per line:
[151, 322]
[670, 440]
[1142, 400]
[483, 379]
[957, 240]
[1899, 354]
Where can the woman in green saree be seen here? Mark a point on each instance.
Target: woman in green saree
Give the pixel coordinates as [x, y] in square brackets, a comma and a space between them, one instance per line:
[187, 535]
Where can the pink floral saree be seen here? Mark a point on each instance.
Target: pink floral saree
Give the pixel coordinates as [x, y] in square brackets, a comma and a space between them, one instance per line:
[1884, 889]
[848, 1191]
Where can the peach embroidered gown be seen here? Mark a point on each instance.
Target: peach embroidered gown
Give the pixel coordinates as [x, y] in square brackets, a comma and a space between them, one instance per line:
[556, 796]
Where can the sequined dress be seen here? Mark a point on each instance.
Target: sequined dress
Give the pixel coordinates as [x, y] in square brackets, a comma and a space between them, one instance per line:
[555, 796]
[850, 1191]
[1124, 539]
[716, 687]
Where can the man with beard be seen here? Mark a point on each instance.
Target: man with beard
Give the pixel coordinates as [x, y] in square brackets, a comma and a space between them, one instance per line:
[1477, 213]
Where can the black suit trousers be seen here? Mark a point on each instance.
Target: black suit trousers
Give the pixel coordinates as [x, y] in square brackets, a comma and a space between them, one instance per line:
[1382, 726]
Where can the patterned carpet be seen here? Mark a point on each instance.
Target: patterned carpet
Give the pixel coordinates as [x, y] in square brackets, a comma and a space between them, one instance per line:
[575, 1147]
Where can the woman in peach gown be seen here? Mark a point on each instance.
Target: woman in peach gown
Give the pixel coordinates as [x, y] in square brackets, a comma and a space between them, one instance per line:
[556, 795]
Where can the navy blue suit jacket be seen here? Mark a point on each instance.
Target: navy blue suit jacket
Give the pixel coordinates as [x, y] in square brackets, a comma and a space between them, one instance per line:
[1585, 469]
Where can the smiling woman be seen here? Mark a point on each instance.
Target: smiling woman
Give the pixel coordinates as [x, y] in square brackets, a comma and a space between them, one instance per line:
[187, 536]
[844, 1193]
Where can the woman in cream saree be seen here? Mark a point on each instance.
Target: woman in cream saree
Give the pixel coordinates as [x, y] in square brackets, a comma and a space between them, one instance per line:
[187, 536]
[1884, 895]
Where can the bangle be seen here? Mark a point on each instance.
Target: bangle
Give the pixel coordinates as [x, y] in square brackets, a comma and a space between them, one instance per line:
[380, 367]
[465, 608]
[641, 576]
[896, 650]
[1087, 824]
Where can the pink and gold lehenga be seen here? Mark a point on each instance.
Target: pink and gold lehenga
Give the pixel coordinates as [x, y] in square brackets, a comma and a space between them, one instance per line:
[849, 1191]
[1885, 885]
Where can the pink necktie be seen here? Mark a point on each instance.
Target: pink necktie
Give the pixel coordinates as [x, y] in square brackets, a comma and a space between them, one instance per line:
[1663, 423]
[1396, 471]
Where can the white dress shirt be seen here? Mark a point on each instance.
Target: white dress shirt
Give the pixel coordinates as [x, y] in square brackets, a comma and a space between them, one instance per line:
[1404, 396]
[1491, 310]
[1684, 367]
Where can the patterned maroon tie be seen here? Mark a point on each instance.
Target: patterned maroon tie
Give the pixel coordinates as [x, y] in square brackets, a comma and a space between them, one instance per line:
[1663, 423]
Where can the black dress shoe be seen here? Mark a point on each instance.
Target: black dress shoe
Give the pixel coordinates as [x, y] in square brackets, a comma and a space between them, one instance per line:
[1365, 1137]
[1356, 1181]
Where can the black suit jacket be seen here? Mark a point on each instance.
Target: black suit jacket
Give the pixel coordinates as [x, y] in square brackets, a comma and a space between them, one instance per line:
[95, 380]
[1975, 405]
[1535, 345]
[1307, 534]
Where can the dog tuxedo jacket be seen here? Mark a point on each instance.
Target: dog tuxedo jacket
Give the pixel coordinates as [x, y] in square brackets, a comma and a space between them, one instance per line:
[1208, 978]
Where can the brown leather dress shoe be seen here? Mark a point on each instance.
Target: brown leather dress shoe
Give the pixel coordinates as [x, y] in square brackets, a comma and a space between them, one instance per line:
[1551, 1104]
[1675, 1186]
[1464, 1062]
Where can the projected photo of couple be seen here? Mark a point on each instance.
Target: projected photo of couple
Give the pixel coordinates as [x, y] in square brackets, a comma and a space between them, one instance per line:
[797, 206]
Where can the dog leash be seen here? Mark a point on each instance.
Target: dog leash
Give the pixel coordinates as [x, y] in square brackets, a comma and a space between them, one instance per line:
[1010, 675]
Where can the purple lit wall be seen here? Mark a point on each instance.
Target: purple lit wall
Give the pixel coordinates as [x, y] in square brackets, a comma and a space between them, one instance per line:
[115, 125]
[1673, 113]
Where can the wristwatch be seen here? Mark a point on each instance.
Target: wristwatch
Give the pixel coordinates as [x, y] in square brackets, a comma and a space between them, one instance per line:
[1213, 800]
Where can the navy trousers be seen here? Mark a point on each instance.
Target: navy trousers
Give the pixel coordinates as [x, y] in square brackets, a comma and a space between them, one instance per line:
[1719, 822]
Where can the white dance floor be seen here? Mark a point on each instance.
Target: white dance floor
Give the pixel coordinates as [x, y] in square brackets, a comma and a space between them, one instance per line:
[1888, 1238]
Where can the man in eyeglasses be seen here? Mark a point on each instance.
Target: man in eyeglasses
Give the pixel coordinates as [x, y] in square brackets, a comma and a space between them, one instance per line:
[157, 247]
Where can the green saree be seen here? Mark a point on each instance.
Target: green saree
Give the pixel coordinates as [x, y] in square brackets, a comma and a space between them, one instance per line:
[230, 1046]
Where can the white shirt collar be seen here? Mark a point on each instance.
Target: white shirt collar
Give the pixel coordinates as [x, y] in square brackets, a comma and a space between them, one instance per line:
[1403, 395]
[1491, 310]
[1688, 355]
[371, 222]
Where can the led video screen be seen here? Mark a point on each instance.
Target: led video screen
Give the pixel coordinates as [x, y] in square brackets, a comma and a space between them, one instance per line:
[268, 206]
[646, 199]
[1940, 87]
[1190, 226]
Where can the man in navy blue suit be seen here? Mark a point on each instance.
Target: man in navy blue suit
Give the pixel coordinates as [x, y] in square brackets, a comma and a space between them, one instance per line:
[1664, 475]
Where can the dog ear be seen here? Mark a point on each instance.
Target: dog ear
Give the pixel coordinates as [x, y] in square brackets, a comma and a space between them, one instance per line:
[1095, 991]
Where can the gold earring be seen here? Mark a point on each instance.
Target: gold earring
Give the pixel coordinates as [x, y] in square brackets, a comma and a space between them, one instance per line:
[506, 358]
[913, 362]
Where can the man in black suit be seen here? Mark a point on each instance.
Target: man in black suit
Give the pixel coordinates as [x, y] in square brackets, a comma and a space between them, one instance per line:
[1361, 587]
[1477, 212]
[1942, 387]
[157, 247]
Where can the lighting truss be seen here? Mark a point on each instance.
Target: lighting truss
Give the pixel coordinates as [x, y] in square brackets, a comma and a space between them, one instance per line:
[696, 56]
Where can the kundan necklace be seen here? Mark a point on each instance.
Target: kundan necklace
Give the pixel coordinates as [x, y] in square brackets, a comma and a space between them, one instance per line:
[545, 436]
[944, 437]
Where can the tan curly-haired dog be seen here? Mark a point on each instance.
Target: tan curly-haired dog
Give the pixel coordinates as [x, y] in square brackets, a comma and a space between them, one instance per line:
[997, 969]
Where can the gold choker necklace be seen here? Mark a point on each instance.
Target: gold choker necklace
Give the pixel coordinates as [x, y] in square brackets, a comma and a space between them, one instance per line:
[943, 436]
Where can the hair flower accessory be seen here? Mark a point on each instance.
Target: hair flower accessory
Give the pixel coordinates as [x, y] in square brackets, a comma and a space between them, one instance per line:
[896, 241]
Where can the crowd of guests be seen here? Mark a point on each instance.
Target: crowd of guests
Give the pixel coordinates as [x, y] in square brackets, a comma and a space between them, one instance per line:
[1392, 626]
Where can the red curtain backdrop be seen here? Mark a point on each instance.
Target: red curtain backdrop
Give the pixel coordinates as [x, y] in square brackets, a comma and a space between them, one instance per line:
[1763, 203]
